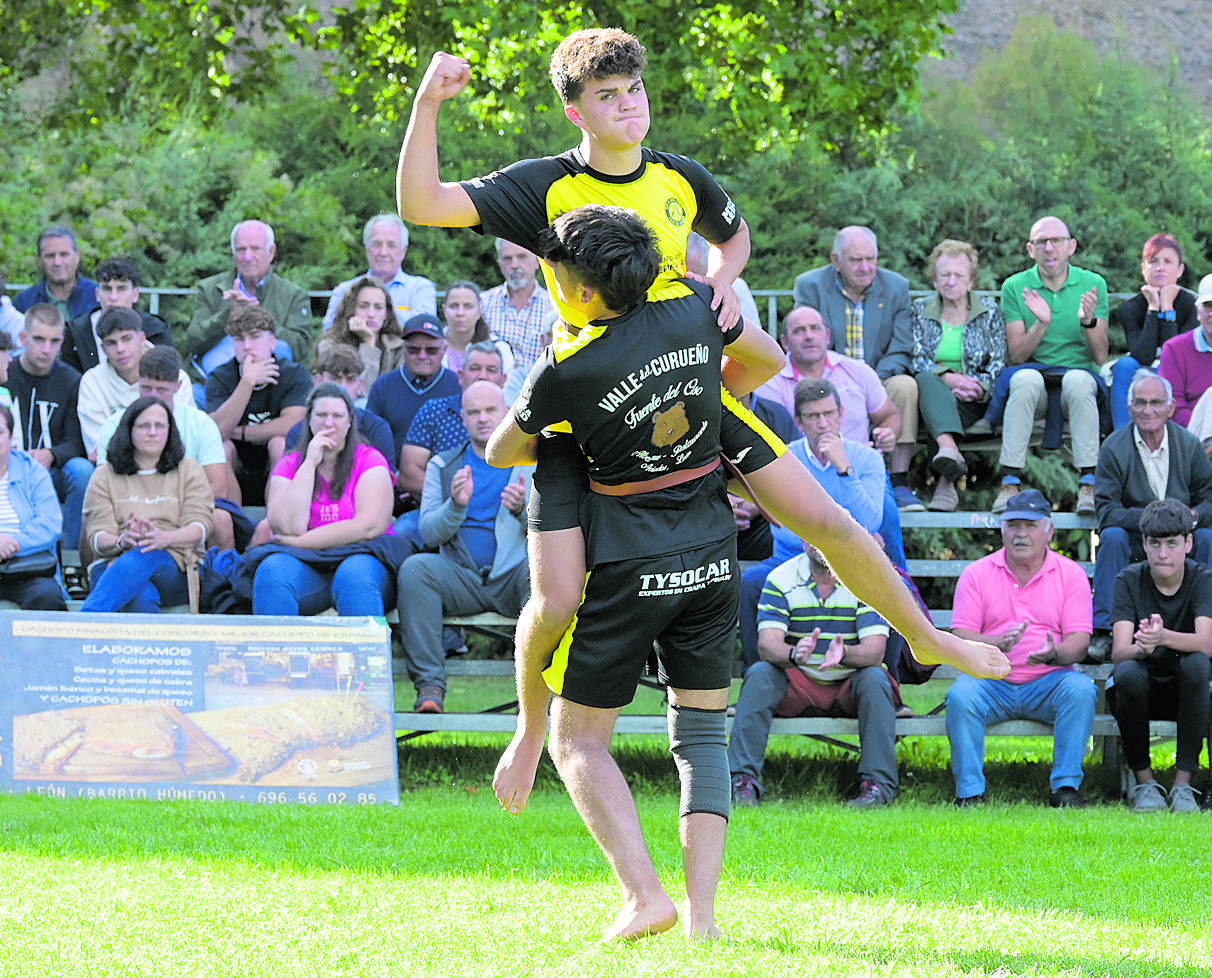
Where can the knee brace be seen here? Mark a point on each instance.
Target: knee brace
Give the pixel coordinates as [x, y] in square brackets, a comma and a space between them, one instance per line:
[699, 748]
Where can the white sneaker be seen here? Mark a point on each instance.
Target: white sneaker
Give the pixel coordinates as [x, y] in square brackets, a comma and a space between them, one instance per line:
[1148, 796]
[1182, 799]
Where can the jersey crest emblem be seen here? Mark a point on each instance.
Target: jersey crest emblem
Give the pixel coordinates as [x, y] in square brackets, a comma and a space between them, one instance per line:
[675, 212]
[669, 426]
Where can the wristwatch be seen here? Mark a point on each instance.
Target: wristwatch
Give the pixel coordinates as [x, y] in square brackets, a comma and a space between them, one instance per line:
[844, 473]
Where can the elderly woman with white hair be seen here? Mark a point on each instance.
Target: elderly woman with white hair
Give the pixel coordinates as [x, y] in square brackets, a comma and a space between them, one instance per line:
[959, 348]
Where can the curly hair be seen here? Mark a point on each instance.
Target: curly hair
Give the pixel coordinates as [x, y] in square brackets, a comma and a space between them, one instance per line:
[594, 54]
[120, 455]
[249, 320]
[953, 248]
[339, 331]
[119, 269]
[608, 248]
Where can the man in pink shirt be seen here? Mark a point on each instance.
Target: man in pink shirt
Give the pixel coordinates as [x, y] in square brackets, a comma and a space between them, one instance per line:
[1036, 606]
[868, 416]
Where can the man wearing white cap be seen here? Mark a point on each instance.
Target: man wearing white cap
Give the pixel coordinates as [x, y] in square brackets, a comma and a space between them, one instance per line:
[1186, 360]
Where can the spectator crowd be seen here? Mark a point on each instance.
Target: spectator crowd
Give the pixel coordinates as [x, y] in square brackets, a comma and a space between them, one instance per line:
[361, 438]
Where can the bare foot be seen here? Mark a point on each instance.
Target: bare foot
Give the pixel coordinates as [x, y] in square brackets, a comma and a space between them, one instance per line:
[516, 769]
[632, 923]
[708, 933]
[975, 658]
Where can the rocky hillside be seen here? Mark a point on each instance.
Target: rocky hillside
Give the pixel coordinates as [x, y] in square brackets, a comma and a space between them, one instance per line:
[1152, 33]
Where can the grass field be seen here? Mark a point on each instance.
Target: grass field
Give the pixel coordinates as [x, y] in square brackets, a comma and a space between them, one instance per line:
[448, 885]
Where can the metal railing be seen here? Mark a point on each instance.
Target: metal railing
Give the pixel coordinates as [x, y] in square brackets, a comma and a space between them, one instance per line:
[772, 297]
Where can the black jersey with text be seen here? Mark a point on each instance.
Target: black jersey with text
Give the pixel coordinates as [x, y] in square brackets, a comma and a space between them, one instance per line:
[641, 393]
[673, 194]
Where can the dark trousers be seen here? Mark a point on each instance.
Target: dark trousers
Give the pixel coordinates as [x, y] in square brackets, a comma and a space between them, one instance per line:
[1136, 697]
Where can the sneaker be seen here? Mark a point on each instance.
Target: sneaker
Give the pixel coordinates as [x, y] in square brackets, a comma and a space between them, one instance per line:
[1066, 797]
[429, 699]
[872, 795]
[1148, 796]
[74, 584]
[1010, 488]
[949, 464]
[906, 501]
[1085, 497]
[970, 802]
[1099, 649]
[1182, 799]
[744, 791]
[946, 498]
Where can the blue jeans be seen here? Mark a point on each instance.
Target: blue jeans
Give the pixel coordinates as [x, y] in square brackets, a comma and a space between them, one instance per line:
[753, 579]
[137, 582]
[1117, 548]
[70, 481]
[284, 585]
[890, 528]
[1121, 379]
[1062, 698]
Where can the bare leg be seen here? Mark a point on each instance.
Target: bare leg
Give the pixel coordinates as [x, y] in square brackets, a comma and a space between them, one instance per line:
[797, 501]
[1146, 774]
[702, 835]
[901, 457]
[580, 747]
[702, 861]
[557, 580]
[234, 492]
[223, 534]
[947, 440]
[261, 534]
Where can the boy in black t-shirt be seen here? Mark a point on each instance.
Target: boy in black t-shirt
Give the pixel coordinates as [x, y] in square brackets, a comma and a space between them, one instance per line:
[255, 399]
[1162, 639]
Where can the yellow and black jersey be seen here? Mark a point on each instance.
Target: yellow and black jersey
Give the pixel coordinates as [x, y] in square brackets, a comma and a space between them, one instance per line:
[643, 401]
[673, 194]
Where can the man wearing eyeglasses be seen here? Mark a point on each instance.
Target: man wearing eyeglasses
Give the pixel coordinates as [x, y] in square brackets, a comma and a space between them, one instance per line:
[1152, 458]
[1056, 335]
[849, 471]
[396, 396]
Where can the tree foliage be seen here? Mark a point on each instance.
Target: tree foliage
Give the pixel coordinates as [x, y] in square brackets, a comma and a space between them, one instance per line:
[752, 71]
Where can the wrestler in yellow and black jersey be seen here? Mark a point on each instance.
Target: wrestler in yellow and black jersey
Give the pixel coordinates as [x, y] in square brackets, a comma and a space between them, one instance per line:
[660, 536]
[674, 195]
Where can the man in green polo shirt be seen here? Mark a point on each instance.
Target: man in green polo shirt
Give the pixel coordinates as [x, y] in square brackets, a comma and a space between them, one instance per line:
[1056, 320]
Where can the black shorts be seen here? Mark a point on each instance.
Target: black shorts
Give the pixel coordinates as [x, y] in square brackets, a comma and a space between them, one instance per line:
[685, 601]
[747, 442]
[561, 476]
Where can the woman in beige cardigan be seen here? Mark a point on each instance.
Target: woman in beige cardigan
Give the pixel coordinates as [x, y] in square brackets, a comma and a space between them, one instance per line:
[150, 509]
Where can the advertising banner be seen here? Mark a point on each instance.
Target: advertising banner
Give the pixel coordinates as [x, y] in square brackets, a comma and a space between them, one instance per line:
[261, 709]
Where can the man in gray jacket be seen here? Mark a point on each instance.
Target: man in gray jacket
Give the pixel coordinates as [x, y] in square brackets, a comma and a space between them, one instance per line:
[207, 344]
[476, 515]
[1151, 458]
[867, 311]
